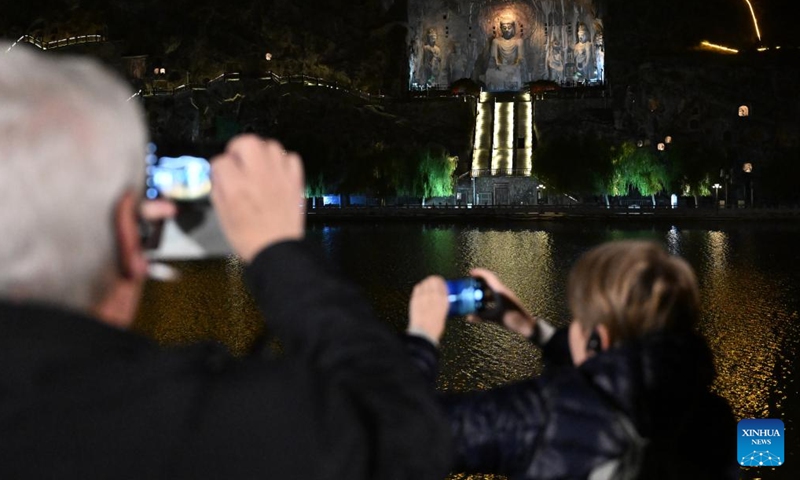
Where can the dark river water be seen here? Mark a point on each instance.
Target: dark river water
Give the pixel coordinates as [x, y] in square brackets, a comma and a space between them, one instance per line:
[749, 275]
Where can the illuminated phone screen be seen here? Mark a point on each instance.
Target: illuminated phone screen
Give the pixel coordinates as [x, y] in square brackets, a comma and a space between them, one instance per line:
[182, 177]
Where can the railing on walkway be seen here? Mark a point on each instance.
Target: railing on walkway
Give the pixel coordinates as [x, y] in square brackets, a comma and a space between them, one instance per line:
[267, 78]
[62, 42]
[531, 212]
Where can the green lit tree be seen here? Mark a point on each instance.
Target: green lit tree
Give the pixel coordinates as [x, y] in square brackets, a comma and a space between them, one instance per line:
[422, 172]
[412, 171]
[692, 167]
[639, 169]
[435, 170]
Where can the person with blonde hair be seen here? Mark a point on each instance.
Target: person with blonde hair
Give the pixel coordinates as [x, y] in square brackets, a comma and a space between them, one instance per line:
[625, 392]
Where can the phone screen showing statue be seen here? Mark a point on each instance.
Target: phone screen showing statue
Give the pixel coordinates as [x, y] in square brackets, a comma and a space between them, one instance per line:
[177, 177]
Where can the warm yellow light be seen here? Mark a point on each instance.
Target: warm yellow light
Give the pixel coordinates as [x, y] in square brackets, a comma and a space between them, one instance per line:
[524, 160]
[503, 137]
[661, 146]
[755, 21]
[714, 46]
[481, 157]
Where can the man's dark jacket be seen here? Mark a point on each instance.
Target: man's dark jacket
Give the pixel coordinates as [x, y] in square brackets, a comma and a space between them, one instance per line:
[82, 400]
[571, 421]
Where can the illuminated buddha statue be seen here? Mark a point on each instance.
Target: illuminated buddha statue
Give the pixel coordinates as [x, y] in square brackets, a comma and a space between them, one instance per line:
[506, 49]
[507, 55]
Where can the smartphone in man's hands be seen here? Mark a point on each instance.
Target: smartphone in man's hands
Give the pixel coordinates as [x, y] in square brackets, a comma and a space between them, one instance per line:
[183, 177]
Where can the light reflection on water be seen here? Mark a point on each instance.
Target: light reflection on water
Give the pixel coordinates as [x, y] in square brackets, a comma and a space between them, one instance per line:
[748, 275]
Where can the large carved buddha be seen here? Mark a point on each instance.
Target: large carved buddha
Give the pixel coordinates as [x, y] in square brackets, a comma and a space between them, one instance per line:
[507, 55]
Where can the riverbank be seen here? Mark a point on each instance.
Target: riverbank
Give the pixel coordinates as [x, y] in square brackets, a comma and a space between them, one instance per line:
[546, 212]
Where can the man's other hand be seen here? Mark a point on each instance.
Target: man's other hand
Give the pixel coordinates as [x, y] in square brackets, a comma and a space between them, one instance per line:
[428, 306]
[258, 193]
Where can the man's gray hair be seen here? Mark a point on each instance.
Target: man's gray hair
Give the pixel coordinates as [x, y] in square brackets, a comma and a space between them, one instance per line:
[71, 144]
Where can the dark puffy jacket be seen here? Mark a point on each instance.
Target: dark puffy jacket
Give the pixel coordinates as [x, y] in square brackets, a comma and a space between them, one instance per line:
[570, 421]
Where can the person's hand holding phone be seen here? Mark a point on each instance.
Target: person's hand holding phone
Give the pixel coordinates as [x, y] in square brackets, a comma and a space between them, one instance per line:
[512, 314]
[427, 308]
[152, 215]
[258, 194]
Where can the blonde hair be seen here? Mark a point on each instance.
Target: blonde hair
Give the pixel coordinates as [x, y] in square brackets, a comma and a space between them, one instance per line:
[633, 287]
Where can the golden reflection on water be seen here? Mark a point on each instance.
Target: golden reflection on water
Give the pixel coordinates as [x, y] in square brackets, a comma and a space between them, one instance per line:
[749, 307]
[209, 302]
[744, 322]
[524, 262]
[485, 355]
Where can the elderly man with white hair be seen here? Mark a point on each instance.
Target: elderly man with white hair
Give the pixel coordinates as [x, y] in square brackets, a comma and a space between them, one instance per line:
[82, 396]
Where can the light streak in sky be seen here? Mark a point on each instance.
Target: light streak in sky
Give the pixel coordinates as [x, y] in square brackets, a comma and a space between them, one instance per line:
[718, 47]
[755, 21]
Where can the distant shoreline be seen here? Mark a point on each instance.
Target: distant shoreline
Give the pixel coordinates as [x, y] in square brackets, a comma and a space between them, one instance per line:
[547, 213]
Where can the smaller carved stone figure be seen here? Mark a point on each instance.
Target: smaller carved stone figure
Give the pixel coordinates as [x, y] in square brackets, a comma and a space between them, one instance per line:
[431, 60]
[599, 57]
[582, 54]
[555, 60]
[457, 63]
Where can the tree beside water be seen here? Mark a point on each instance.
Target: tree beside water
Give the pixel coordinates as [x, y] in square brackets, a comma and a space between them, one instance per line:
[586, 165]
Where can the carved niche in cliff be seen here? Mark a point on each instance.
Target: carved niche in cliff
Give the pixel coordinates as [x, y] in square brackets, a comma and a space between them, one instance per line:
[503, 45]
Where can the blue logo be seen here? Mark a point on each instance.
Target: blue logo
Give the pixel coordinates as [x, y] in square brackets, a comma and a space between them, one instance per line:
[760, 442]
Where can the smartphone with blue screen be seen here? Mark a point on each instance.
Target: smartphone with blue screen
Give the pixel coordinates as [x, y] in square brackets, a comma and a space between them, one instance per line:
[183, 177]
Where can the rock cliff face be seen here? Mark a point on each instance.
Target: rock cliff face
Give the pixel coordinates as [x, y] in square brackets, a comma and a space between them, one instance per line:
[355, 42]
[376, 46]
[321, 122]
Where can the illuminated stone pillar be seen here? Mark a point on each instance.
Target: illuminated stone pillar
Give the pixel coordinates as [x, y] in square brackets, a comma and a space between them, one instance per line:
[503, 145]
[482, 149]
[523, 157]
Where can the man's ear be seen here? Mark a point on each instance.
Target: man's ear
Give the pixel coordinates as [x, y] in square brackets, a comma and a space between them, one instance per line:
[131, 261]
[605, 338]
